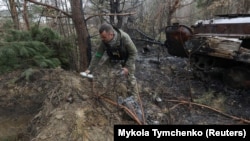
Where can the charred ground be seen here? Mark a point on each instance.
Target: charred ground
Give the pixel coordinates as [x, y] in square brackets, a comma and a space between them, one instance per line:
[61, 105]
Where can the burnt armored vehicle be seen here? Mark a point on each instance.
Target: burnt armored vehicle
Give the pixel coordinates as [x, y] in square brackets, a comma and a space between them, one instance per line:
[222, 42]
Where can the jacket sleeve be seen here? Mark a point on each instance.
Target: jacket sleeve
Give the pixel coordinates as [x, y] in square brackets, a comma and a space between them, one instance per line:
[96, 57]
[131, 48]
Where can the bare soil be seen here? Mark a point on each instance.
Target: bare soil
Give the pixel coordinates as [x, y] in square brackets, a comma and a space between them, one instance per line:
[54, 104]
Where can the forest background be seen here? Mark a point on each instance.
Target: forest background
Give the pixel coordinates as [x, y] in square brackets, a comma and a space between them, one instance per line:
[44, 45]
[53, 33]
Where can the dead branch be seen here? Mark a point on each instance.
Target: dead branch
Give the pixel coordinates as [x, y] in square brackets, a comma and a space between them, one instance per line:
[49, 6]
[210, 108]
[122, 107]
[132, 114]
[111, 14]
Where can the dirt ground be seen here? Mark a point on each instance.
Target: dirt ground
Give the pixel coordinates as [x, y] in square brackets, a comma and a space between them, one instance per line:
[54, 104]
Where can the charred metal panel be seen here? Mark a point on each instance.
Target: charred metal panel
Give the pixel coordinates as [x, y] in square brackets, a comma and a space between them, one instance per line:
[214, 46]
[237, 27]
[224, 30]
[223, 42]
[176, 36]
[226, 37]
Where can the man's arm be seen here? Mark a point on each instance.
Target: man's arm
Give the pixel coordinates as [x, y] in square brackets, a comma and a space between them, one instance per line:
[95, 59]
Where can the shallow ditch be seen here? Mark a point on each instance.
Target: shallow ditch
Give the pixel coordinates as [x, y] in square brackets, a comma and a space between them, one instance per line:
[14, 128]
[16, 113]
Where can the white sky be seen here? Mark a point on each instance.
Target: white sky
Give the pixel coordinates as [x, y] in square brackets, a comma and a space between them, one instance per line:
[3, 5]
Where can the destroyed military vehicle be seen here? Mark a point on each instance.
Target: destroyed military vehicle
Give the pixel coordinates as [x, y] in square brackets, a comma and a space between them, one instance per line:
[222, 42]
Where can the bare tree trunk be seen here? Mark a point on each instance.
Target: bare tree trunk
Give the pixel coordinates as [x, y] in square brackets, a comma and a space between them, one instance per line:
[172, 8]
[83, 40]
[119, 17]
[115, 9]
[112, 11]
[14, 14]
[25, 15]
[82, 34]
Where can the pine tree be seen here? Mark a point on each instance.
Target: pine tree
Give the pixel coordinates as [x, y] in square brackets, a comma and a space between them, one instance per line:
[37, 48]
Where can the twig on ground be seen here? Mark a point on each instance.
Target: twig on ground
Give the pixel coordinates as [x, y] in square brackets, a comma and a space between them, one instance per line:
[210, 108]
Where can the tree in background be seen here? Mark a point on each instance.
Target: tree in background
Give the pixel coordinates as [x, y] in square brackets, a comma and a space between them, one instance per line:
[82, 34]
[14, 14]
[52, 11]
[31, 49]
[69, 18]
[214, 7]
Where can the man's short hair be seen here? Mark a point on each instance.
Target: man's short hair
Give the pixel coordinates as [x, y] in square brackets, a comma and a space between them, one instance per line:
[106, 27]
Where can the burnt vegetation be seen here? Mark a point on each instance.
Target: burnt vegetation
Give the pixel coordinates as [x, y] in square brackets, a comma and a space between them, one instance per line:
[188, 72]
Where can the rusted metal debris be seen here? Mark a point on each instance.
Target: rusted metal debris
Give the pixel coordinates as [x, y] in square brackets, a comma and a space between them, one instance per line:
[222, 42]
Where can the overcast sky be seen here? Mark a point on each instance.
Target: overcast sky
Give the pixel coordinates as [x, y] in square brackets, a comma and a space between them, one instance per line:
[3, 5]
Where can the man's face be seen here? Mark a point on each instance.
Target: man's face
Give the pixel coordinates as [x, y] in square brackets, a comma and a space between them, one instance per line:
[106, 36]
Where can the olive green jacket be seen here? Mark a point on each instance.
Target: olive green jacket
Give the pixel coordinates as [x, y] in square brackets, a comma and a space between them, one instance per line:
[127, 43]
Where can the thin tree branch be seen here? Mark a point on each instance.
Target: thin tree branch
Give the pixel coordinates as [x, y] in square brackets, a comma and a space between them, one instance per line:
[55, 8]
[111, 14]
[210, 108]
